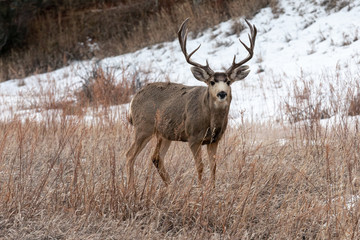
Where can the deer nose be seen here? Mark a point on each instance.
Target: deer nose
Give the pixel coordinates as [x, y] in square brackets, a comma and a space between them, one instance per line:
[222, 95]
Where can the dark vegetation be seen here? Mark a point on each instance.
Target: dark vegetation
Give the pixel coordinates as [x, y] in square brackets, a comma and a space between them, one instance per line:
[43, 35]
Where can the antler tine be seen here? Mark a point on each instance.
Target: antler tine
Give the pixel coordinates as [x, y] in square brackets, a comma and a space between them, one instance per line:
[182, 35]
[252, 37]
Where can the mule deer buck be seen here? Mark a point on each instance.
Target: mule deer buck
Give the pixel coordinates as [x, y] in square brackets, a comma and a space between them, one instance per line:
[194, 114]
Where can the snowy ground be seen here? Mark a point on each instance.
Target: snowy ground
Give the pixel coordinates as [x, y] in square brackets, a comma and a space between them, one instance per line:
[304, 42]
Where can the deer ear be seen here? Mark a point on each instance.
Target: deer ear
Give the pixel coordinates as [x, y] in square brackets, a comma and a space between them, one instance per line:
[239, 73]
[200, 74]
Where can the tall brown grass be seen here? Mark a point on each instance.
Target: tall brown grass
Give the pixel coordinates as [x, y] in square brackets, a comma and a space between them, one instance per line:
[66, 180]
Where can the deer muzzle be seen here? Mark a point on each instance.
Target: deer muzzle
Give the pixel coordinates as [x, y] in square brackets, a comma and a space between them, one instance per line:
[222, 95]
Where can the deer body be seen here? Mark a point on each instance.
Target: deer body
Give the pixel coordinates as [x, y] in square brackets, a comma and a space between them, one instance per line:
[187, 116]
[194, 114]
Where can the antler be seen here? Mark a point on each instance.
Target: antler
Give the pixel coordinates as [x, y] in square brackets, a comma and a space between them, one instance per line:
[250, 49]
[182, 35]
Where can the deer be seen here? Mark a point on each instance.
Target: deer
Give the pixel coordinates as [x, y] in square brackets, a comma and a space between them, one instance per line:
[197, 115]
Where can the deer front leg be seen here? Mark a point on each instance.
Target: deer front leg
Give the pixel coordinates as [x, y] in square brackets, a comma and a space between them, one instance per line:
[196, 151]
[158, 158]
[211, 149]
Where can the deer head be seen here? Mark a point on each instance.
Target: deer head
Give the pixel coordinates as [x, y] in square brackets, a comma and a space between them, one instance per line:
[218, 82]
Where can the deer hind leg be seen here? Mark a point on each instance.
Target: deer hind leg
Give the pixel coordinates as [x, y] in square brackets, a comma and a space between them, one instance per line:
[161, 148]
[211, 149]
[138, 145]
[196, 151]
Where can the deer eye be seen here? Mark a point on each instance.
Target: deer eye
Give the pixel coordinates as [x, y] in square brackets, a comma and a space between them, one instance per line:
[212, 83]
[228, 83]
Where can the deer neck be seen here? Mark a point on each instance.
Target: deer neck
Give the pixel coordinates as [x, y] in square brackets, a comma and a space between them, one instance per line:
[218, 115]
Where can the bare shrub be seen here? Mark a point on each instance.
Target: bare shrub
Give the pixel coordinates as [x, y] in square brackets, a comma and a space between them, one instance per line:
[354, 102]
[236, 28]
[311, 112]
[336, 5]
[306, 104]
[101, 87]
[223, 43]
[275, 8]
[248, 8]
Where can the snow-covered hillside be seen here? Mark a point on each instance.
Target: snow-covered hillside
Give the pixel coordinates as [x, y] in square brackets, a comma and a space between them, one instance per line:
[303, 41]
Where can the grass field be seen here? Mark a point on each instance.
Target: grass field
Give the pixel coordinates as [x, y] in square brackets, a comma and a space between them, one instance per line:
[65, 180]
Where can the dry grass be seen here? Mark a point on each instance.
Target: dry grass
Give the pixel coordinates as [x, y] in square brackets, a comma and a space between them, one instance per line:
[65, 180]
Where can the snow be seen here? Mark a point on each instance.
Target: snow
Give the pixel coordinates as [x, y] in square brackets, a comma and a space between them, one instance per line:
[302, 43]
